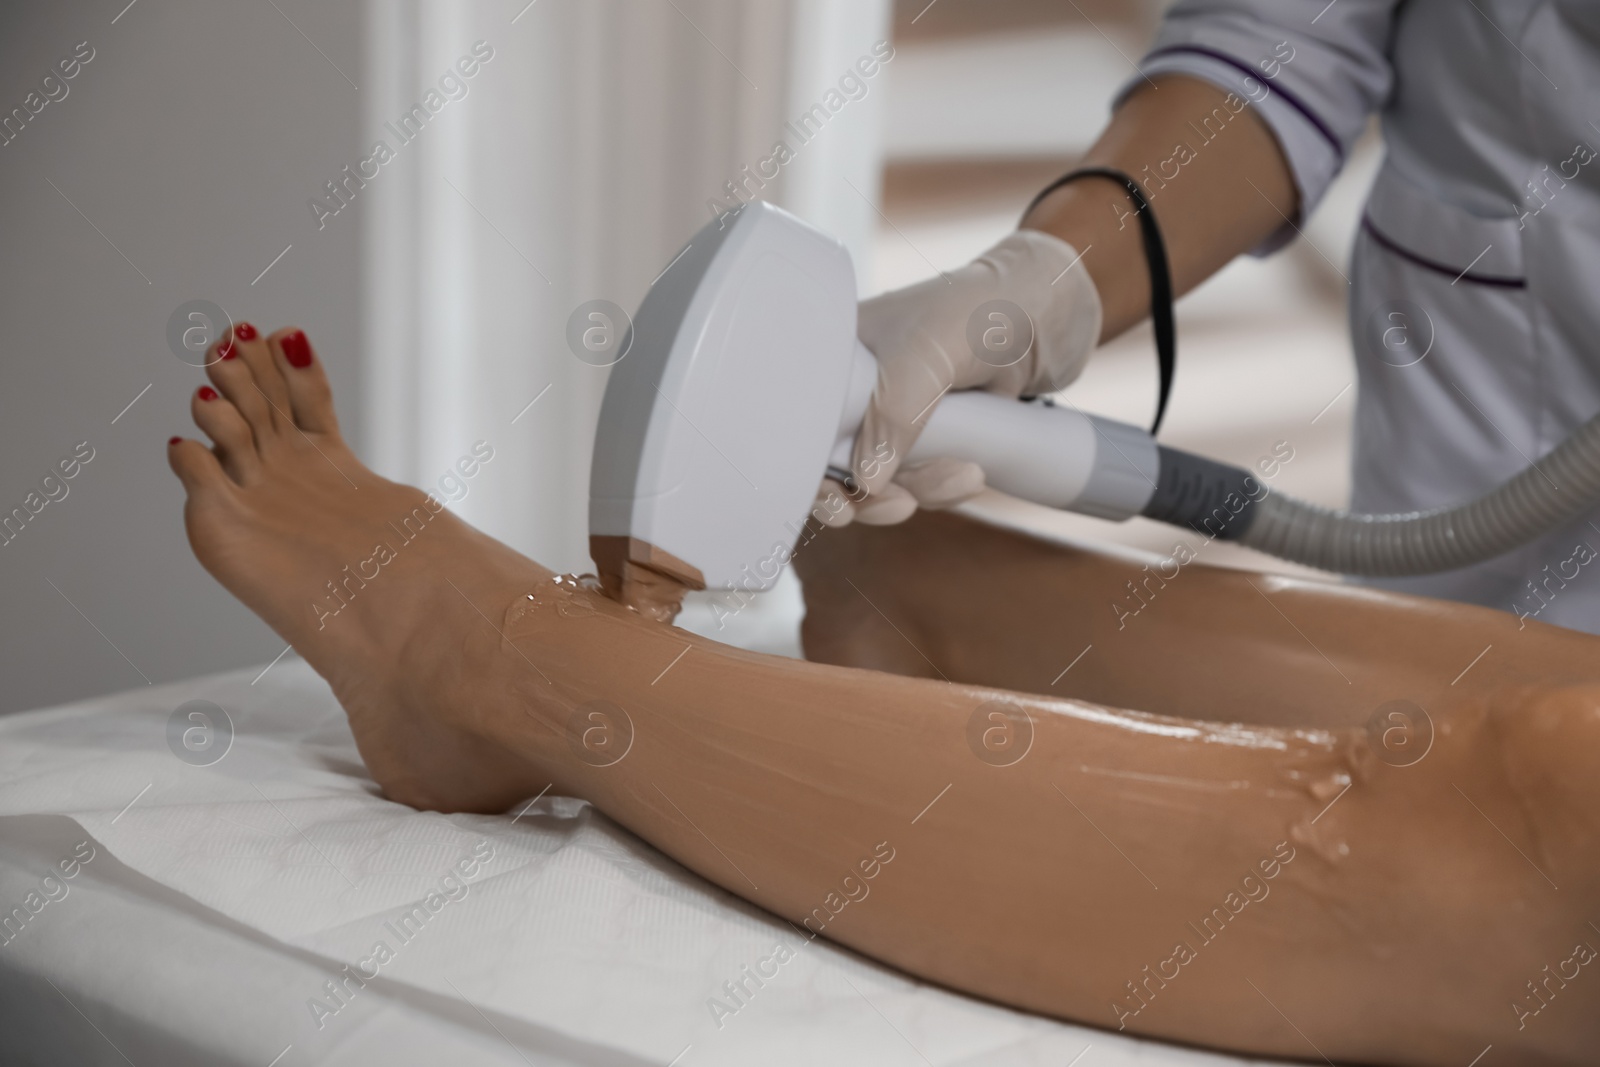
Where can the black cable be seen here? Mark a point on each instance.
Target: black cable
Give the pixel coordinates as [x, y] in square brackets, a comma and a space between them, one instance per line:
[1155, 254]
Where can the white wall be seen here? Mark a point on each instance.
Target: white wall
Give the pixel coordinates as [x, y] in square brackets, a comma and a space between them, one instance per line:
[1044, 91]
[579, 161]
[191, 143]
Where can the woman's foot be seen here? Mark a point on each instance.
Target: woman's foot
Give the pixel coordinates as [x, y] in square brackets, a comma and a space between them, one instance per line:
[382, 590]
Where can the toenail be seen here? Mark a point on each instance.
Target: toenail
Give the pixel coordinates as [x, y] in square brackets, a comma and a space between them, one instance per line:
[207, 393]
[175, 441]
[244, 331]
[228, 351]
[296, 349]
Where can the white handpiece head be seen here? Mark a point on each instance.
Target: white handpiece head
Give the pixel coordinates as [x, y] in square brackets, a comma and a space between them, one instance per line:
[743, 379]
[717, 424]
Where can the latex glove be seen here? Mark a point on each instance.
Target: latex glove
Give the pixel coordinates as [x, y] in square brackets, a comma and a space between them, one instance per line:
[1021, 319]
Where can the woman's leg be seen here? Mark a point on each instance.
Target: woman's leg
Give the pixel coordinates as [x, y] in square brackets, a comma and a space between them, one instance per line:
[947, 596]
[1201, 880]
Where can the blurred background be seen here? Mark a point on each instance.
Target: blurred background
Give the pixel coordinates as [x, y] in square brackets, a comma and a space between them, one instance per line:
[212, 153]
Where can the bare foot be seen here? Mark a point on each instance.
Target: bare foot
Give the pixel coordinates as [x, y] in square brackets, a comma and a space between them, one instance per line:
[382, 590]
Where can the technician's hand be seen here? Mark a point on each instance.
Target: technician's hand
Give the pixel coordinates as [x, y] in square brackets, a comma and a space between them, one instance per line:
[1021, 319]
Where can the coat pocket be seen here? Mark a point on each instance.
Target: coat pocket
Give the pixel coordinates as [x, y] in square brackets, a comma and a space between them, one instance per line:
[1450, 398]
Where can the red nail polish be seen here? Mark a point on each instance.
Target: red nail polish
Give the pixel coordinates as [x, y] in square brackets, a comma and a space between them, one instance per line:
[244, 331]
[207, 393]
[228, 352]
[296, 349]
[175, 441]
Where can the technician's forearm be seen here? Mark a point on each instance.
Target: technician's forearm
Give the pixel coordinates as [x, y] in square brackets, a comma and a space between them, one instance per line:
[1217, 183]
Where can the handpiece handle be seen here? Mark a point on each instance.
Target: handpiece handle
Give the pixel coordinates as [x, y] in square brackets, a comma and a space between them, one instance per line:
[1047, 453]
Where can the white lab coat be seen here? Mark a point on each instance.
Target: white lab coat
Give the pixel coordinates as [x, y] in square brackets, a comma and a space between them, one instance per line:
[1473, 304]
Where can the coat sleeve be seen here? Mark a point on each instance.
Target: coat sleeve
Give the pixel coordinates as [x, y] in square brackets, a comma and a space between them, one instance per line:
[1313, 70]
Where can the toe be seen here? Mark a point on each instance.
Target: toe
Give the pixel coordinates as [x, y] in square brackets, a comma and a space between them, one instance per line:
[253, 351]
[310, 396]
[231, 374]
[235, 444]
[196, 467]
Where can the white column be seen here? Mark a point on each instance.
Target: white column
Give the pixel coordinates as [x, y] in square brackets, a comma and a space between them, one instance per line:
[835, 180]
[576, 167]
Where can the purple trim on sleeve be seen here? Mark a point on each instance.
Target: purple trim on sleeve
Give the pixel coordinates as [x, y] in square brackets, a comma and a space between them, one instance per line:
[1294, 101]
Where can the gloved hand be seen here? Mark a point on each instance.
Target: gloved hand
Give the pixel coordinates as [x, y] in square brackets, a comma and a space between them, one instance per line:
[1021, 319]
